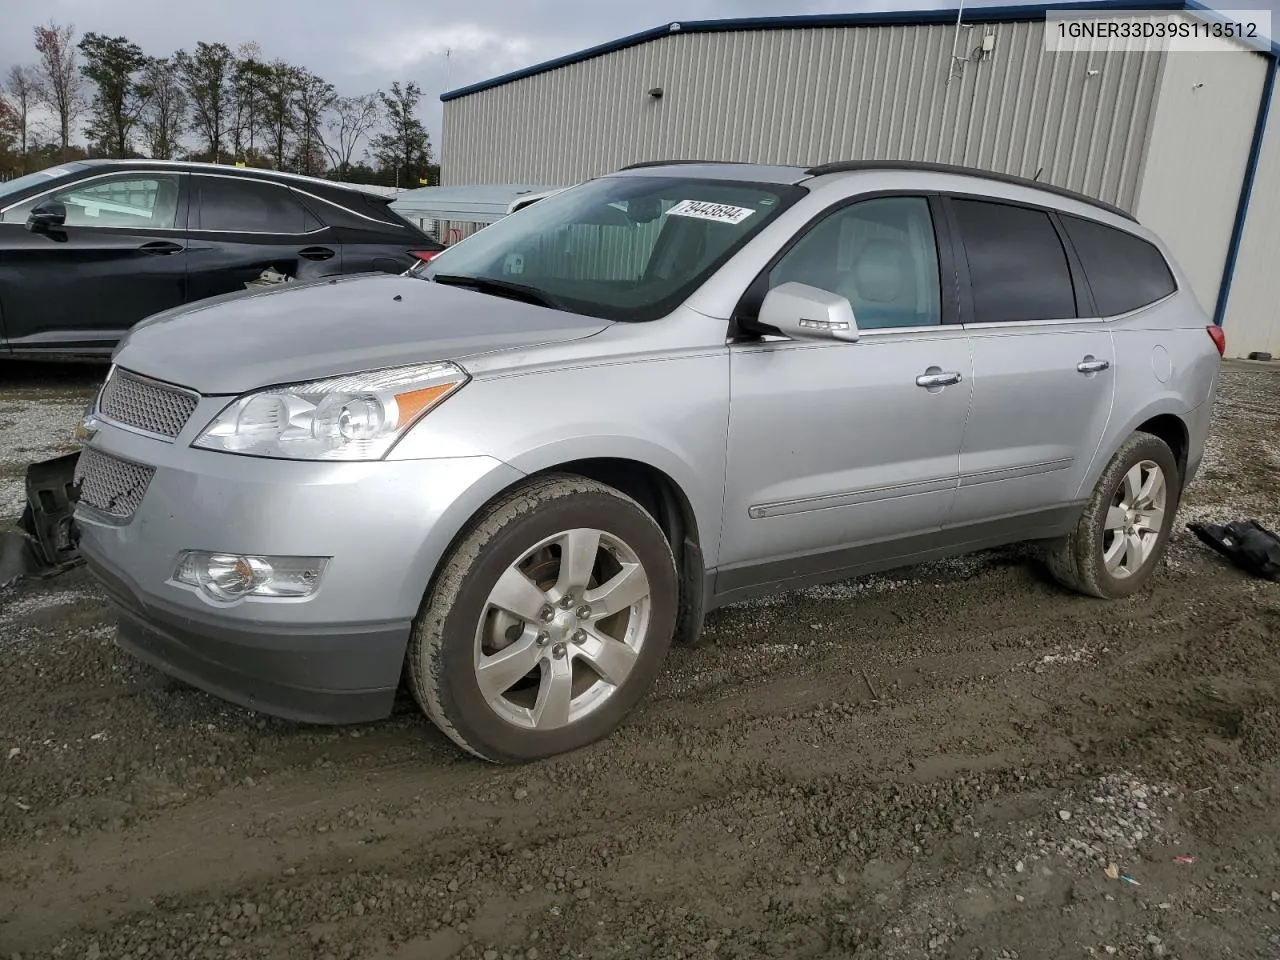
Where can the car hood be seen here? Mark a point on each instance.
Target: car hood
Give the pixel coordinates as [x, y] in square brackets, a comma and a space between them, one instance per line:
[302, 331]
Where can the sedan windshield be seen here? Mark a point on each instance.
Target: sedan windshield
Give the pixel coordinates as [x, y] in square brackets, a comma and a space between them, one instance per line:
[621, 248]
[47, 177]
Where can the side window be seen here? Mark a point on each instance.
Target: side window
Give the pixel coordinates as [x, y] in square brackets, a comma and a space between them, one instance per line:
[250, 206]
[1017, 267]
[881, 254]
[1125, 272]
[138, 201]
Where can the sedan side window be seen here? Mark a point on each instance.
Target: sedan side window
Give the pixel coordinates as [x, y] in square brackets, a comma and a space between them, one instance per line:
[137, 201]
[882, 254]
[235, 205]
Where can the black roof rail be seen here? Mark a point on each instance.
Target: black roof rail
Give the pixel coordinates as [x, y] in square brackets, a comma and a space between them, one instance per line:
[850, 166]
[671, 163]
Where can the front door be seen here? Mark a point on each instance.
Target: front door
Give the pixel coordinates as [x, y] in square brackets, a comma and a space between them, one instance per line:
[119, 257]
[243, 227]
[1043, 368]
[837, 451]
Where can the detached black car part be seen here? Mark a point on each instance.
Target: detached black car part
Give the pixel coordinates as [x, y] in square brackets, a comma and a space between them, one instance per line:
[45, 543]
[1246, 543]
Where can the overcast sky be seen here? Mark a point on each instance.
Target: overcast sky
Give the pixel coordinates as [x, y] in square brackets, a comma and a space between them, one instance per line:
[362, 46]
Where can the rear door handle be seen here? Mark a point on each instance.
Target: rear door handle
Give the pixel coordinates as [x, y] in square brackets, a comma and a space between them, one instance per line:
[161, 248]
[1092, 365]
[937, 378]
[316, 253]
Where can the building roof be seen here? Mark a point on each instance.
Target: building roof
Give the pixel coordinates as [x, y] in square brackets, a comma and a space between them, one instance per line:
[881, 18]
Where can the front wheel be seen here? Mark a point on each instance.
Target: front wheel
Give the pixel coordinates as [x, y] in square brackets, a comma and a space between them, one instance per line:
[1125, 526]
[548, 621]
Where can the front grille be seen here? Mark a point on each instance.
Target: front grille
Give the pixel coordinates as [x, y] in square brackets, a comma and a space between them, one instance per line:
[110, 485]
[145, 404]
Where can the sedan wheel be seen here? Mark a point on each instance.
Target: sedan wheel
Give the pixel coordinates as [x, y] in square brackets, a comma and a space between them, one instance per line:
[547, 622]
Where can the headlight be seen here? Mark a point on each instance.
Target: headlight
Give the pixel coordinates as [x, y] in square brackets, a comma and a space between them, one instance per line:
[356, 417]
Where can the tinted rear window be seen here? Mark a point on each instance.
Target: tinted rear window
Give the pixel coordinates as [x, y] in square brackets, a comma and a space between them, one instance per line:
[239, 205]
[1124, 272]
[1017, 266]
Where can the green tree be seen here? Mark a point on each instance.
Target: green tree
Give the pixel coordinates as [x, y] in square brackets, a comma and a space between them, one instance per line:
[112, 65]
[246, 105]
[312, 98]
[278, 84]
[164, 108]
[405, 146]
[207, 77]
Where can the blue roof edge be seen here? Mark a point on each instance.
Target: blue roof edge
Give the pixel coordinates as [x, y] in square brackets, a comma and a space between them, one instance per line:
[886, 18]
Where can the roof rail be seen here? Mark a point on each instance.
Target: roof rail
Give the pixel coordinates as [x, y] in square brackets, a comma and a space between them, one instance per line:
[671, 163]
[850, 166]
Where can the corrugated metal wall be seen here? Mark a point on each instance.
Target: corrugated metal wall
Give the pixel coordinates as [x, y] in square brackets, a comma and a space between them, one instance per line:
[1253, 309]
[808, 95]
[1196, 158]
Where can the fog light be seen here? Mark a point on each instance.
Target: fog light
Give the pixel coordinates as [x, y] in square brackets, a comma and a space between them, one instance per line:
[230, 576]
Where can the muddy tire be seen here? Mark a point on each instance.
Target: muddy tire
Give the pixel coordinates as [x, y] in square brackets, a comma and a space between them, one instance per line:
[1124, 529]
[547, 623]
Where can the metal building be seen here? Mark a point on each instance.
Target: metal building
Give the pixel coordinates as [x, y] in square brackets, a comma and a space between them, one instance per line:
[1181, 139]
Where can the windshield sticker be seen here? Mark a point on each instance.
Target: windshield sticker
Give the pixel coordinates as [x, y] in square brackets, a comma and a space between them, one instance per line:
[705, 210]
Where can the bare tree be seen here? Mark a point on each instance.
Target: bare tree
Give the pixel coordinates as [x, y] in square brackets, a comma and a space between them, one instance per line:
[164, 108]
[245, 99]
[350, 122]
[207, 75]
[23, 86]
[60, 80]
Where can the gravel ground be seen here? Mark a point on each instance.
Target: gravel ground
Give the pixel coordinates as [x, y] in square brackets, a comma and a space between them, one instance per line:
[958, 760]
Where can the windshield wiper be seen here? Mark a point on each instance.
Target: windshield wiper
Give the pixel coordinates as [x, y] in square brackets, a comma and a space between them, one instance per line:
[500, 288]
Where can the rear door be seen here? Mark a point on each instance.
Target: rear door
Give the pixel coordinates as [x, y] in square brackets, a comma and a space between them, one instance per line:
[120, 256]
[241, 227]
[1043, 363]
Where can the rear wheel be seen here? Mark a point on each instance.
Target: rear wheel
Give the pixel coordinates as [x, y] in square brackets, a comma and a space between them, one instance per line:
[1124, 529]
[548, 622]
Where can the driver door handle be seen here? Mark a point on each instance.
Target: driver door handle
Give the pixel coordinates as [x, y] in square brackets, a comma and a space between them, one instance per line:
[316, 253]
[161, 248]
[940, 379]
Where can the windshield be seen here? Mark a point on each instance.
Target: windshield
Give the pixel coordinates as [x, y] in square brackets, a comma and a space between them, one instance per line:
[620, 248]
[40, 178]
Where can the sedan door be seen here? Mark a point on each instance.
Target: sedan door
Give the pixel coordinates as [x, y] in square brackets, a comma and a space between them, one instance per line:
[1043, 368]
[118, 257]
[843, 454]
[242, 227]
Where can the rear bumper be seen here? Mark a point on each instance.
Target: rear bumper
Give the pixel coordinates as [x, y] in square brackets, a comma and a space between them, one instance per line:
[344, 673]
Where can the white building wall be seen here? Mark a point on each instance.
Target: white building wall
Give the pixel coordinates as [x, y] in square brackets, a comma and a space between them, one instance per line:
[1252, 321]
[816, 94]
[1196, 158]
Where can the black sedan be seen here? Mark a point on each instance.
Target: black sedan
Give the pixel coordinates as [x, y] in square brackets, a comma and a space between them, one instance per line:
[89, 248]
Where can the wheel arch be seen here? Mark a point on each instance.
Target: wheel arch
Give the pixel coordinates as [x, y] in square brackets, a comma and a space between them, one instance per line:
[1165, 417]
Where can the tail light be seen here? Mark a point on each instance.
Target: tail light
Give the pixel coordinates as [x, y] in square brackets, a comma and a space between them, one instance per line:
[1219, 338]
[425, 256]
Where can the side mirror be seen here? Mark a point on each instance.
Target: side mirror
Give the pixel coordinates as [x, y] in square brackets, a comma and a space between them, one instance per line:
[48, 216]
[803, 312]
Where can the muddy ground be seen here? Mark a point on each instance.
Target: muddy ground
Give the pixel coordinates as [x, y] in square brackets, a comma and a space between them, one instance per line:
[942, 762]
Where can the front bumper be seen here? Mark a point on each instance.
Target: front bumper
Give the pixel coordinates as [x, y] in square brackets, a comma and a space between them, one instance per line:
[343, 673]
[334, 656]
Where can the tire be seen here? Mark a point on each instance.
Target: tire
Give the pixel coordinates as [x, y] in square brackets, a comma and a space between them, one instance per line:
[1080, 560]
[460, 627]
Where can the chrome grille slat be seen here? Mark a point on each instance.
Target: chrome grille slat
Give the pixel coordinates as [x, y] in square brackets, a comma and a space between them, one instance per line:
[145, 404]
[111, 485]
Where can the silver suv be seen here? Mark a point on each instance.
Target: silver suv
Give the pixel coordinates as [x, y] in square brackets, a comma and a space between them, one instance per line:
[512, 479]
